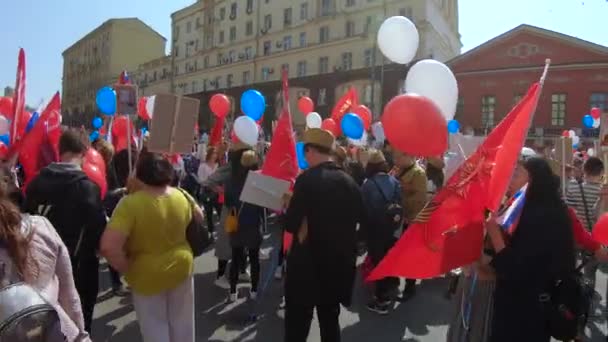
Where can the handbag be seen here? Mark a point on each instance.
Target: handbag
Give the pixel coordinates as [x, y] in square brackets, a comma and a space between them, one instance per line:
[231, 225]
[197, 234]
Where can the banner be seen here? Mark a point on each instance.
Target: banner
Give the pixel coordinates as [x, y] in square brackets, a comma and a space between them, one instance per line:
[18, 97]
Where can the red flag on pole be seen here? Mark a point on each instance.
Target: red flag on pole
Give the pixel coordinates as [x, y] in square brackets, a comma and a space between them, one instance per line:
[281, 161]
[216, 133]
[344, 104]
[448, 233]
[18, 97]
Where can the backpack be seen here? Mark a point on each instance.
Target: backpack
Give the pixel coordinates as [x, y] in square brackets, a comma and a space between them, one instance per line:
[393, 210]
[25, 316]
[567, 305]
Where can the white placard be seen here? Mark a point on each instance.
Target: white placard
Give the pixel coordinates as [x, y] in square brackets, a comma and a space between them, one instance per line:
[264, 191]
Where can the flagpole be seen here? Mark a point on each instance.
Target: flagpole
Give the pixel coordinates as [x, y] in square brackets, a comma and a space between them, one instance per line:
[563, 140]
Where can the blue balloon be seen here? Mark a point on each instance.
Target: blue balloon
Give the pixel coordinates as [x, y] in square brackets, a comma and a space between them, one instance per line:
[97, 123]
[32, 122]
[94, 136]
[144, 130]
[302, 163]
[253, 104]
[588, 121]
[352, 126]
[106, 101]
[5, 139]
[575, 146]
[453, 126]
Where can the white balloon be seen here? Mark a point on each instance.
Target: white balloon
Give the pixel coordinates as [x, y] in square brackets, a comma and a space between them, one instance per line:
[359, 142]
[596, 123]
[571, 134]
[527, 152]
[4, 125]
[150, 105]
[313, 120]
[398, 39]
[378, 131]
[591, 152]
[246, 130]
[434, 80]
[575, 140]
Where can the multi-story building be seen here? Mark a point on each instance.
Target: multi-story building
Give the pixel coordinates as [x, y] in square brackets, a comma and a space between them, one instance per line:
[327, 47]
[98, 58]
[494, 76]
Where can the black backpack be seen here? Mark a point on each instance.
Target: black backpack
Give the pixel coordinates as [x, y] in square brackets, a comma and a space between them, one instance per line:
[393, 210]
[25, 316]
[567, 303]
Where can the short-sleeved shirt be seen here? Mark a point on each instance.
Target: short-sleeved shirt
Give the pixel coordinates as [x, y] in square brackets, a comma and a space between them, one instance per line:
[574, 199]
[159, 255]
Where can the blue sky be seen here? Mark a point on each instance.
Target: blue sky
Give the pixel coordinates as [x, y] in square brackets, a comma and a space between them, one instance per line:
[47, 27]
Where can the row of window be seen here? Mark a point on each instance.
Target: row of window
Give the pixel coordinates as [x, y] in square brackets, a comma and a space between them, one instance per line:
[558, 107]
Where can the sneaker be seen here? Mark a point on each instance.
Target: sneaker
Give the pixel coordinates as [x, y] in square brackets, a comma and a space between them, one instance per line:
[380, 308]
[253, 295]
[245, 276]
[232, 297]
[120, 291]
[278, 274]
[264, 254]
[222, 282]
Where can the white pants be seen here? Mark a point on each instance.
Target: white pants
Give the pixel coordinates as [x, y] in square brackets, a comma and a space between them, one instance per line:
[168, 316]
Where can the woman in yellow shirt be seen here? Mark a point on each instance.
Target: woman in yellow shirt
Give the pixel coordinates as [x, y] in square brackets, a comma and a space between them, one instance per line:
[146, 241]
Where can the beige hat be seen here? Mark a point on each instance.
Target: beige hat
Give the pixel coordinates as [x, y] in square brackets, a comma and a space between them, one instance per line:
[319, 137]
[237, 146]
[249, 158]
[376, 157]
[437, 162]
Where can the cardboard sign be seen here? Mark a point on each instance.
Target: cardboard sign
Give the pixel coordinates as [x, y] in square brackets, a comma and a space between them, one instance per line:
[173, 121]
[564, 153]
[126, 99]
[264, 191]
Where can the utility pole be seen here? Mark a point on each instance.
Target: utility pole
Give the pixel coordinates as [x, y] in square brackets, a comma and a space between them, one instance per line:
[172, 74]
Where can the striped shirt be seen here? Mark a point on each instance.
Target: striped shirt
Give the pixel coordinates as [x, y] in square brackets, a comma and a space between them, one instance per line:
[574, 199]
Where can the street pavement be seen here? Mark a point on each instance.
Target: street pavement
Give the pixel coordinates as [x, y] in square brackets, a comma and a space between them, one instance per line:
[424, 318]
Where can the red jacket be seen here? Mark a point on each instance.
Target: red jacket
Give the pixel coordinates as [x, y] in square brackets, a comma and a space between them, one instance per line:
[581, 236]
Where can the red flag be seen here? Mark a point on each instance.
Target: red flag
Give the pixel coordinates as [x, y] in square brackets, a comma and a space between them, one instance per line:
[346, 102]
[448, 232]
[216, 133]
[281, 161]
[18, 97]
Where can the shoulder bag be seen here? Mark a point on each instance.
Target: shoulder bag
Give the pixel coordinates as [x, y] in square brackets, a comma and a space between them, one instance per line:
[197, 234]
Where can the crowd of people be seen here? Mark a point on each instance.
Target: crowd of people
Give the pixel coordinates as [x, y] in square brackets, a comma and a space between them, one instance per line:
[362, 197]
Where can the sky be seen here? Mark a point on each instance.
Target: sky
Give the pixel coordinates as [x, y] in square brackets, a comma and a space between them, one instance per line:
[45, 28]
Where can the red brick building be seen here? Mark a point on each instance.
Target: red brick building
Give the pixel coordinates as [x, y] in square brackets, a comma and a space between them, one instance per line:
[494, 76]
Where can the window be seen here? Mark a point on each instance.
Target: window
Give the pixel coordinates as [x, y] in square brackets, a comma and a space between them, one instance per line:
[406, 12]
[220, 57]
[187, 50]
[285, 67]
[350, 3]
[350, 28]
[218, 81]
[194, 86]
[304, 11]
[249, 28]
[205, 84]
[286, 42]
[233, 33]
[189, 27]
[599, 100]
[176, 70]
[324, 34]
[488, 106]
[368, 58]
[347, 61]
[248, 52]
[233, 11]
[232, 56]
[195, 67]
[206, 62]
[249, 6]
[302, 39]
[368, 23]
[267, 47]
[326, 7]
[196, 46]
[517, 98]
[176, 51]
[558, 109]
[229, 81]
[265, 73]
[323, 65]
[221, 37]
[222, 13]
[198, 22]
[176, 32]
[459, 108]
[268, 21]
[246, 77]
[367, 94]
[301, 68]
[322, 99]
[287, 17]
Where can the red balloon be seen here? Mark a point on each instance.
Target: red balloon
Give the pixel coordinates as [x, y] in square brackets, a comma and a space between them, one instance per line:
[119, 132]
[6, 107]
[596, 112]
[331, 126]
[220, 105]
[305, 105]
[365, 114]
[600, 230]
[414, 125]
[94, 158]
[141, 109]
[96, 176]
[566, 134]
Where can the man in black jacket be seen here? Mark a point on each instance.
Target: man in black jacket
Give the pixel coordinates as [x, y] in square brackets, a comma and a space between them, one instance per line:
[323, 214]
[63, 193]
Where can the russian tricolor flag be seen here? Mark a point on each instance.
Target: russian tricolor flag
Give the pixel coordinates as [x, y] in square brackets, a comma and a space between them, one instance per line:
[510, 217]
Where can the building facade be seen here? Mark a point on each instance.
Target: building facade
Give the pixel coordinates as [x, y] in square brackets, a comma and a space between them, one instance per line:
[327, 46]
[97, 59]
[495, 75]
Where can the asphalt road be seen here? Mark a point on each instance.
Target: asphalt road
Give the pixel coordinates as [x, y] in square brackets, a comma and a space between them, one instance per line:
[424, 318]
